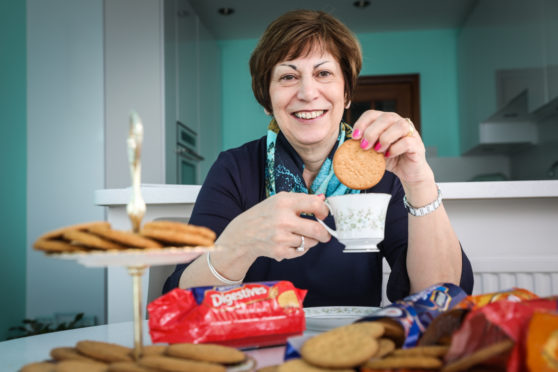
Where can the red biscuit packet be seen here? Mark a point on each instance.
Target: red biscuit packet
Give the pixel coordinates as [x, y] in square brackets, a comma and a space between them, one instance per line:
[249, 314]
[496, 322]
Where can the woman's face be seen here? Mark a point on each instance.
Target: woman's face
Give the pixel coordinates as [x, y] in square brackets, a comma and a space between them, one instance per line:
[308, 98]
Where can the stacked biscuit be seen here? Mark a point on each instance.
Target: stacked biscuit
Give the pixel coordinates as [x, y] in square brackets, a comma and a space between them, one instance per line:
[99, 236]
[364, 346]
[95, 356]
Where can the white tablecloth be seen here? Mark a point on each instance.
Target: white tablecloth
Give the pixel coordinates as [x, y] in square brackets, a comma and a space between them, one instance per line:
[16, 353]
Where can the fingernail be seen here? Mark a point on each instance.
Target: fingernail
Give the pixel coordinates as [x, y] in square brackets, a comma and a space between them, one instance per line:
[378, 146]
[387, 154]
[321, 196]
[363, 143]
[356, 133]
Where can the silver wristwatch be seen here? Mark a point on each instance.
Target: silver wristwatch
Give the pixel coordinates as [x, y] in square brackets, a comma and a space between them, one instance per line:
[423, 211]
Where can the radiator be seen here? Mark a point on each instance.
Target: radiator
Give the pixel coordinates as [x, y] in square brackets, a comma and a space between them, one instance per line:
[538, 274]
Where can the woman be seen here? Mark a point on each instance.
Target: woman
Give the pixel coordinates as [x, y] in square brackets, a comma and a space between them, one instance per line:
[261, 198]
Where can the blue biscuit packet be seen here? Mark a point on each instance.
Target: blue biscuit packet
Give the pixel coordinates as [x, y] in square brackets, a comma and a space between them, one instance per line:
[415, 312]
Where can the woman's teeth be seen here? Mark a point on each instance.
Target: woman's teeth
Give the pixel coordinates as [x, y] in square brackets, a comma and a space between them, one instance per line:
[308, 114]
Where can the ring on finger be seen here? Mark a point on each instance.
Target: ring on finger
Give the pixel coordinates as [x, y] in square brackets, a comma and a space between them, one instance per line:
[300, 248]
[411, 128]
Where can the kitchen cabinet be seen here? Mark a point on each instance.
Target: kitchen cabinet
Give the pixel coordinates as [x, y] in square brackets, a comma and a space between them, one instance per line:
[501, 52]
[550, 11]
[192, 87]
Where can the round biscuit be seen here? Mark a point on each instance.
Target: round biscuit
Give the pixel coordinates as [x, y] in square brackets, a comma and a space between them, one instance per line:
[56, 246]
[58, 233]
[90, 240]
[181, 226]
[104, 351]
[38, 367]
[299, 365]
[129, 367]
[176, 237]
[357, 168]
[207, 353]
[175, 364]
[81, 366]
[437, 351]
[394, 362]
[385, 347]
[343, 347]
[479, 356]
[153, 350]
[69, 353]
[126, 238]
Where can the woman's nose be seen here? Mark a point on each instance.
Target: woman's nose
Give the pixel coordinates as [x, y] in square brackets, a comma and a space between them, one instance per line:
[308, 89]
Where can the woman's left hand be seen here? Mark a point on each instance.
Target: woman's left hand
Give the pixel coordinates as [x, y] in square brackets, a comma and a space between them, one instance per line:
[396, 137]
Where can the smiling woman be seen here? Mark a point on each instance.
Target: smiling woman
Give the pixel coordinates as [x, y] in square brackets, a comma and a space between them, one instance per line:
[262, 199]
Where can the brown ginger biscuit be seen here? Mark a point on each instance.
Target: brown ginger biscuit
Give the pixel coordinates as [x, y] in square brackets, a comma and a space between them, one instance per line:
[128, 367]
[343, 347]
[479, 356]
[58, 233]
[180, 226]
[104, 351]
[126, 238]
[437, 351]
[299, 365]
[207, 353]
[385, 346]
[69, 353]
[81, 366]
[393, 330]
[171, 364]
[91, 240]
[357, 168]
[177, 237]
[394, 362]
[56, 246]
[38, 367]
[273, 368]
[153, 350]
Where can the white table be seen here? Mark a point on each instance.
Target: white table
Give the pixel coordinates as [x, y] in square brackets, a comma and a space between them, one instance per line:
[16, 353]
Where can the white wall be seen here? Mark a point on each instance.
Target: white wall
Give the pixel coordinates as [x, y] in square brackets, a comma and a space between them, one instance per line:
[64, 148]
[134, 79]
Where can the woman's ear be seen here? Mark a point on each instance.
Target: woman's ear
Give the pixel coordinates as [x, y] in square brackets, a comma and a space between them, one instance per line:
[267, 112]
[348, 105]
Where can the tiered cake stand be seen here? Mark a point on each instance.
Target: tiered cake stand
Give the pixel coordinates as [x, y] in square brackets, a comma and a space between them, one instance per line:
[136, 260]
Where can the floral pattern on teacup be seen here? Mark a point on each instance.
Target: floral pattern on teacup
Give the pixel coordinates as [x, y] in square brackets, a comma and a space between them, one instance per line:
[352, 219]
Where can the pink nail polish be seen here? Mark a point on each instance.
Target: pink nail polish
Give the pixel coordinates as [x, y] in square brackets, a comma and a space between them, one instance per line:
[387, 154]
[363, 143]
[356, 133]
[378, 146]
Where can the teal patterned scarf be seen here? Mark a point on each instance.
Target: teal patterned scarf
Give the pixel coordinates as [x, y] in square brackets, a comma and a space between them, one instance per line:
[283, 169]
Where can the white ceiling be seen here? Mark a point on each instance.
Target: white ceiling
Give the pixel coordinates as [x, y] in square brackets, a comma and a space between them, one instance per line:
[251, 17]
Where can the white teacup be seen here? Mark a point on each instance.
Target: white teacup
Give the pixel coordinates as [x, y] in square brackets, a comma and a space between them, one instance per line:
[360, 220]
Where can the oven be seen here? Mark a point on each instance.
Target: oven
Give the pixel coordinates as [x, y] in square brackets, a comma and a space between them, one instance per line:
[186, 155]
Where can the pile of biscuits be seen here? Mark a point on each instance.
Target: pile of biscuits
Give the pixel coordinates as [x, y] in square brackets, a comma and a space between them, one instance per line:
[363, 346]
[99, 236]
[96, 356]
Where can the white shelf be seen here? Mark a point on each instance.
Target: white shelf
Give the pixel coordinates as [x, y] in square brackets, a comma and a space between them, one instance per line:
[499, 189]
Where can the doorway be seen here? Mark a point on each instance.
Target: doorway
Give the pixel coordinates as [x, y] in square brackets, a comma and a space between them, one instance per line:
[395, 93]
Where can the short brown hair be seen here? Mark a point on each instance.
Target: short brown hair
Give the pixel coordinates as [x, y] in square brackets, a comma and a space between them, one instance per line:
[298, 32]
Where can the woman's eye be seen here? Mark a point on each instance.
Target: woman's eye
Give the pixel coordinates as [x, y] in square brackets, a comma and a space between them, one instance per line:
[287, 78]
[324, 74]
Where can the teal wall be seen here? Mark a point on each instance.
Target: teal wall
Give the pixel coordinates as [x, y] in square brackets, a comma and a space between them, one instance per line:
[432, 54]
[13, 162]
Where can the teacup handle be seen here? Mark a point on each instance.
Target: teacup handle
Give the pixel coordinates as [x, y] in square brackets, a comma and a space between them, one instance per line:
[329, 229]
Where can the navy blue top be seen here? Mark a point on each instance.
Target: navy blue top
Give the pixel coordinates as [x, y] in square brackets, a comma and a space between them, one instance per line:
[236, 182]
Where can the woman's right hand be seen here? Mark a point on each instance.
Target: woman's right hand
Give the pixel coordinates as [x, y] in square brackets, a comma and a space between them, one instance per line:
[273, 227]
